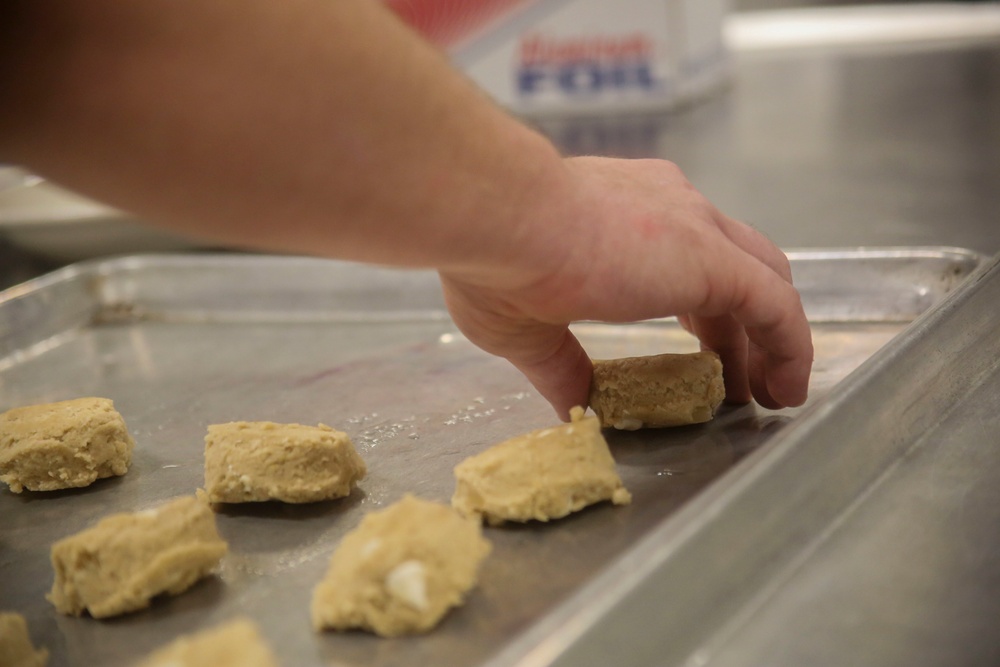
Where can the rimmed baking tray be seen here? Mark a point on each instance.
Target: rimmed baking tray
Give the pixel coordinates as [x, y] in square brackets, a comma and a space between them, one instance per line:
[180, 342]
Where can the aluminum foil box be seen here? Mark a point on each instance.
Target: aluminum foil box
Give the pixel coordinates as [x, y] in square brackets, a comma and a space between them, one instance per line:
[541, 57]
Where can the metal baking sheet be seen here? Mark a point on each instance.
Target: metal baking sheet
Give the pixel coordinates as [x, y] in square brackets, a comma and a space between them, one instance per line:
[181, 342]
[864, 534]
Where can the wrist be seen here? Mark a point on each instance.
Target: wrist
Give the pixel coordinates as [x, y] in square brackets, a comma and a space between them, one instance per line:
[515, 237]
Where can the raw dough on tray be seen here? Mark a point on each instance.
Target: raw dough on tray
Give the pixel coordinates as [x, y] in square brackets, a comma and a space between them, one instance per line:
[120, 564]
[655, 391]
[542, 475]
[400, 570]
[63, 445]
[257, 461]
[16, 649]
[234, 644]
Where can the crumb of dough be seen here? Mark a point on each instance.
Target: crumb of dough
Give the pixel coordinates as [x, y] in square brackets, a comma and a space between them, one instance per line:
[63, 445]
[236, 643]
[16, 649]
[125, 560]
[542, 475]
[657, 391]
[258, 461]
[400, 570]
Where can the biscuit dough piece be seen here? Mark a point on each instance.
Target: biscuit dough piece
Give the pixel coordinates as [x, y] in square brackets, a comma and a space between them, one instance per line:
[542, 475]
[400, 570]
[256, 461]
[63, 445]
[125, 560]
[234, 644]
[661, 390]
[16, 649]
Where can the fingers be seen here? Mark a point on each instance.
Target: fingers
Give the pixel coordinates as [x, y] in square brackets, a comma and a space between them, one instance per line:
[775, 374]
[757, 374]
[750, 370]
[563, 377]
[724, 336]
[549, 355]
[781, 351]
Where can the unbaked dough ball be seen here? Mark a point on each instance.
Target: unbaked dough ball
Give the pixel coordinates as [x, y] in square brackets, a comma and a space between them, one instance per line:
[400, 570]
[541, 475]
[256, 461]
[655, 391]
[125, 560]
[16, 649]
[63, 445]
[234, 644]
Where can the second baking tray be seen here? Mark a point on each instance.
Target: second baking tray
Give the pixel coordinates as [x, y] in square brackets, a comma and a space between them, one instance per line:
[180, 342]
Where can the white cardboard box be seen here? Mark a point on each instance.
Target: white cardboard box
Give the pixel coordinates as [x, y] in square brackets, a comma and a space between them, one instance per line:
[540, 57]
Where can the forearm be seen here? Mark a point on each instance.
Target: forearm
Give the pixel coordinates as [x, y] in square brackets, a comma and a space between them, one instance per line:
[327, 127]
[319, 126]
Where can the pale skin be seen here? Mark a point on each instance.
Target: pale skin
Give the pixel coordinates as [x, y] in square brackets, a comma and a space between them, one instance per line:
[327, 127]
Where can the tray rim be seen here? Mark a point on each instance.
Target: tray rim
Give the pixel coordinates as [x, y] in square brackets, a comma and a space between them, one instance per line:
[549, 643]
[630, 562]
[108, 266]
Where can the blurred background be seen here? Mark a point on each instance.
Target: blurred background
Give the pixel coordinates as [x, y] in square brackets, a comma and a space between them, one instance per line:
[824, 123]
[752, 5]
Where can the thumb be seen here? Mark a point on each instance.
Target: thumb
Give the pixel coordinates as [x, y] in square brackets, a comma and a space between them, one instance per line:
[547, 353]
[561, 376]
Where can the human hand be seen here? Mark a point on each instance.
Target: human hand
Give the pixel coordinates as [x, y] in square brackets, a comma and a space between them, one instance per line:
[403, 163]
[631, 240]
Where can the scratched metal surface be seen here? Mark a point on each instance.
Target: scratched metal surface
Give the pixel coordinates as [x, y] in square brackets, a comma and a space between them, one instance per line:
[182, 342]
